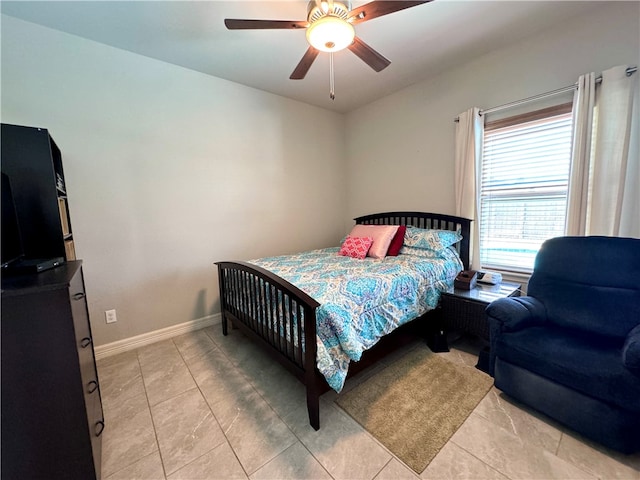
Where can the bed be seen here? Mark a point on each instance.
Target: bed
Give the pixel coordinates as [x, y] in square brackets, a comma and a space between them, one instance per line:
[283, 318]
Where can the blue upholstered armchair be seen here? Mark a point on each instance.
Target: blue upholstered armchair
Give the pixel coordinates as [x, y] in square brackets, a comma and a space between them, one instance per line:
[571, 347]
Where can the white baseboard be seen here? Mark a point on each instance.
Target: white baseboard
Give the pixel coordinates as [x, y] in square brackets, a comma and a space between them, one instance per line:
[121, 346]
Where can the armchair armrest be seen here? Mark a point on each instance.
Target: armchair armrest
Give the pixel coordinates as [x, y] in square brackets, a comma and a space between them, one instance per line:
[631, 351]
[515, 313]
[511, 314]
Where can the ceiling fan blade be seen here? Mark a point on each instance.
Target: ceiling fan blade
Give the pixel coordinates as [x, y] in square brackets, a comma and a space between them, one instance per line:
[305, 64]
[238, 24]
[368, 55]
[377, 9]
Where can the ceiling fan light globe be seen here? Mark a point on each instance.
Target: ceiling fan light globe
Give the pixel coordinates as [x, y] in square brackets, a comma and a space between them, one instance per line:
[330, 34]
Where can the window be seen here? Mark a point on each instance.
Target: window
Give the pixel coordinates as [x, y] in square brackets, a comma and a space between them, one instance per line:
[523, 186]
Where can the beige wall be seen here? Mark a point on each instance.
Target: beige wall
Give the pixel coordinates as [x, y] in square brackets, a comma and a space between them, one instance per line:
[169, 170]
[400, 149]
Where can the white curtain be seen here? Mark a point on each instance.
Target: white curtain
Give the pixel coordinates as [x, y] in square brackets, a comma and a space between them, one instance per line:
[469, 135]
[603, 184]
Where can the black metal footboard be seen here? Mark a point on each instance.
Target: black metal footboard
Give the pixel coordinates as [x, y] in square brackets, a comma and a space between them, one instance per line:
[277, 314]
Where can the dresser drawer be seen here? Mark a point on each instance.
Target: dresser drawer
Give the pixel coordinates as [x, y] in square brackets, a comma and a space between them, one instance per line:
[88, 371]
[51, 406]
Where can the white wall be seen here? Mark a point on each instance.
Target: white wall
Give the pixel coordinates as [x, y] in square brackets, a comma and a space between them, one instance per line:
[400, 149]
[169, 170]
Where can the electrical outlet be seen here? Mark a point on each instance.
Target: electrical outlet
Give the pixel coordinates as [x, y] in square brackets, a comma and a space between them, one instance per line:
[110, 316]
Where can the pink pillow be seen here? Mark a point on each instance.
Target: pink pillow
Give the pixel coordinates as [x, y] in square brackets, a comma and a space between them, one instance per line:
[397, 242]
[356, 247]
[381, 234]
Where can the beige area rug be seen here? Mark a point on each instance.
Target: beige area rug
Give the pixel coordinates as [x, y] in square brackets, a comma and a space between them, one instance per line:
[416, 404]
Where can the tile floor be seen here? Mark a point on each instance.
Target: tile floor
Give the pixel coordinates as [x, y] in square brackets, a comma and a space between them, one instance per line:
[204, 406]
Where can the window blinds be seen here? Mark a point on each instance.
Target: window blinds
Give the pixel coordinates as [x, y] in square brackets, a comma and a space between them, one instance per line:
[523, 190]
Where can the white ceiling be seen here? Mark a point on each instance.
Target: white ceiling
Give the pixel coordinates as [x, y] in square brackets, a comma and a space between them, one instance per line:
[420, 42]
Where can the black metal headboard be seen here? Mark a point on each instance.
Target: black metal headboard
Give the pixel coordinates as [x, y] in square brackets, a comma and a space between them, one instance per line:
[425, 220]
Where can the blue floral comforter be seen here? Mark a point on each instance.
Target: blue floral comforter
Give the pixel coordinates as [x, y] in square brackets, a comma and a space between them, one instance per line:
[361, 300]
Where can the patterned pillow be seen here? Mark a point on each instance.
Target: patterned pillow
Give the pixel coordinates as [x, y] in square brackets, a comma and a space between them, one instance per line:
[431, 239]
[356, 247]
[381, 234]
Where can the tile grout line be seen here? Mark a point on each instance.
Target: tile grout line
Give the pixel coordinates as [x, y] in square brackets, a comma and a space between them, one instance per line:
[210, 410]
[480, 460]
[265, 400]
[386, 465]
[335, 406]
[153, 423]
[215, 344]
[277, 415]
[339, 409]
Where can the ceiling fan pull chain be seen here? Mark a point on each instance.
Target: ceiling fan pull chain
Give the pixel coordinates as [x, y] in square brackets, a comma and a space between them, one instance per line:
[332, 89]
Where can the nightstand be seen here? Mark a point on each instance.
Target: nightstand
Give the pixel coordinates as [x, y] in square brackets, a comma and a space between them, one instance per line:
[464, 309]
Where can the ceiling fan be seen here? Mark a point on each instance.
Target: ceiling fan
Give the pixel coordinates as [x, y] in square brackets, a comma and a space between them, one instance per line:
[329, 28]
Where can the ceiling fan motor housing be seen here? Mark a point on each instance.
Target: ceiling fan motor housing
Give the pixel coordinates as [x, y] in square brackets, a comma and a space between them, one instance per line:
[329, 30]
[316, 12]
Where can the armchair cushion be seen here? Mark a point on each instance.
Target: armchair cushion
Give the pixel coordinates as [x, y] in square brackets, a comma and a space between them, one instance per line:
[631, 351]
[586, 363]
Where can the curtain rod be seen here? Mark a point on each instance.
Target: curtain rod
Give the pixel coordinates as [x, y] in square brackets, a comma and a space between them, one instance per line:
[630, 71]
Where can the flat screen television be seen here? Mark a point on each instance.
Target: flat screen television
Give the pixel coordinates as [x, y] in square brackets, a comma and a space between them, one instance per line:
[11, 239]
